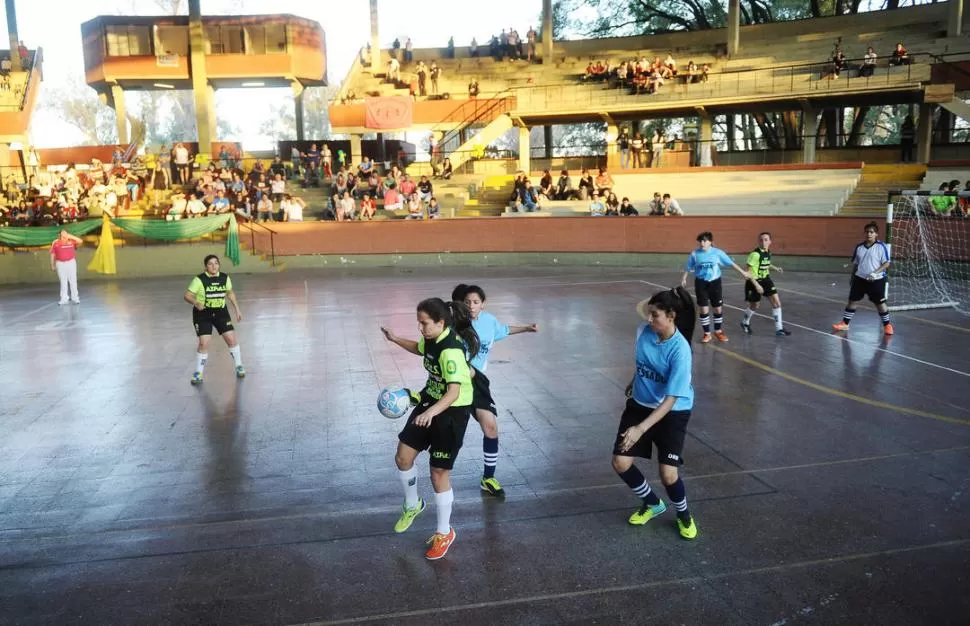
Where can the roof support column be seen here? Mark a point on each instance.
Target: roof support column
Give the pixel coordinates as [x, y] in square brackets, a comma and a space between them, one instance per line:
[924, 133]
[809, 134]
[16, 63]
[204, 100]
[733, 28]
[121, 113]
[298, 109]
[705, 139]
[525, 150]
[547, 31]
[954, 24]
[375, 40]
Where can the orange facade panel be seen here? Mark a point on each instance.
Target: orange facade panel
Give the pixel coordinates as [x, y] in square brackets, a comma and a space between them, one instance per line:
[13, 123]
[142, 68]
[425, 112]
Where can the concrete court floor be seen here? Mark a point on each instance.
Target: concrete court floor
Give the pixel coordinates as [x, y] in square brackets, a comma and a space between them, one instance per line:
[829, 476]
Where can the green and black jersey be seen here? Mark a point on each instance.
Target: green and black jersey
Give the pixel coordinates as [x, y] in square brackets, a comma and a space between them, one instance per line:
[211, 290]
[445, 361]
[760, 260]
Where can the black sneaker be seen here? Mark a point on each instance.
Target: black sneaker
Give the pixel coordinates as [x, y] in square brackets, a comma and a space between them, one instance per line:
[746, 328]
[782, 332]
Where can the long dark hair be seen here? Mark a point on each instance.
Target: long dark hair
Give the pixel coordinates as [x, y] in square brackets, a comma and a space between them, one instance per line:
[459, 293]
[456, 315]
[678, 302]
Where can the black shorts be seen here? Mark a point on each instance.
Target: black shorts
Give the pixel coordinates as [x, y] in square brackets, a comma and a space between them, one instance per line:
[750, 295]
[667, 434]
[442, 438]
[875, 290]
[483, 393]
[708, 292]
[207, 319]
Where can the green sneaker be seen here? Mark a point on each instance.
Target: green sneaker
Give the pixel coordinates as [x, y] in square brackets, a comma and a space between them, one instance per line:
[493, 487]
[240, 372]
[407, 517]
[689, 530]
[647, 513]
[196, 378]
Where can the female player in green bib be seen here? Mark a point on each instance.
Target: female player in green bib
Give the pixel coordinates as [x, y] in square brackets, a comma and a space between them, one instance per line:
[208, 293]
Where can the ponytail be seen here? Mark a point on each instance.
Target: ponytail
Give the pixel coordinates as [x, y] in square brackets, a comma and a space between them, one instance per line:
[679, 302]
[456, 315]
[461, 319]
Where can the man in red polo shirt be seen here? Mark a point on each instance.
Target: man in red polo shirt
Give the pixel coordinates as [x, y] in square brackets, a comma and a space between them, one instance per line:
[64, 262]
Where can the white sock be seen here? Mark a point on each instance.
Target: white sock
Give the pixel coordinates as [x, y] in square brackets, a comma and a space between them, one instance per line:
[409, 480]
[442, 505]
[200, 359]
[748, 314]
[776, 313]
[236, 353]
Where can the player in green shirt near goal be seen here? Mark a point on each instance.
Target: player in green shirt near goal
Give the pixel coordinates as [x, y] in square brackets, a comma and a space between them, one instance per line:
[759, 265]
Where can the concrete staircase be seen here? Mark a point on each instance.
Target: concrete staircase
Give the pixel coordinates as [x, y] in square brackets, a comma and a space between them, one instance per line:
[870, 195]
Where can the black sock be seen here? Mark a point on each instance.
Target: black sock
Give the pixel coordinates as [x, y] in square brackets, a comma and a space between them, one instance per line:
[634, 480]
[678, 497]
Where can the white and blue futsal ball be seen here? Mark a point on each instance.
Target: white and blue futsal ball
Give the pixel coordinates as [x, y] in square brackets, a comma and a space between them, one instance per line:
[394, 402]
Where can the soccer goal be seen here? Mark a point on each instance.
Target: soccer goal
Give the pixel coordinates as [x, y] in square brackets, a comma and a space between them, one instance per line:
[929, 237]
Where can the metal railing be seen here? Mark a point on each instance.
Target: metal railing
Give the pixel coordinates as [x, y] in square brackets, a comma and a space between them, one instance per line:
[495, 105]
[253, 224]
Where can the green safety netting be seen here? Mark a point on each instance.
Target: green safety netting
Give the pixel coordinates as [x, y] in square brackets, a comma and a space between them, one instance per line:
[149, 229]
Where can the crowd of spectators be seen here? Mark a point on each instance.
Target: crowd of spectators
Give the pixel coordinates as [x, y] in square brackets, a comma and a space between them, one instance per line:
[870, 60]
[644, 76]
[950, 206]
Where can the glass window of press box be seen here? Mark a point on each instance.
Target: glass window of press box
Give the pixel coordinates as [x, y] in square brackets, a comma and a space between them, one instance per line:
[267, 38]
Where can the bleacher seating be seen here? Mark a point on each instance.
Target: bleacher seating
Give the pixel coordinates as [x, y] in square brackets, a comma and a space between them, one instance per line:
[728, 192]
[936, 175]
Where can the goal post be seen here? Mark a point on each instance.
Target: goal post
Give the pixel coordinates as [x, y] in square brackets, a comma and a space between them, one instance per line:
[928, 233]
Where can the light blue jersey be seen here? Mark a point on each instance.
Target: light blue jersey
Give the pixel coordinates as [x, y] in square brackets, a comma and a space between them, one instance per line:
[707, 265]
[663, 369]
[489, 331]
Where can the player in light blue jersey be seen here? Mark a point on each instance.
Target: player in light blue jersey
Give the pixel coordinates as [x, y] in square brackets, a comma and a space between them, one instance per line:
[489, 331]
[705, 262]
[661, 397]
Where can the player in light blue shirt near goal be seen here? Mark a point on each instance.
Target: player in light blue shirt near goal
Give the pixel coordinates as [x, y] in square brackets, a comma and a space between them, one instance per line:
[489, 330]
[705, 262]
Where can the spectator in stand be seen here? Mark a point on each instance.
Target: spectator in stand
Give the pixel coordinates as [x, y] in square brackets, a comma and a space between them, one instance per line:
[586, 185]
[415, 208]
[5, 66]
[346, 207]
[473, 48]
[671, 206]
[264, 208]
[473, 90]
[435, 74]
[612, 204]
[604, 182]
[623, 143]
[528, 199]
[899, 56]
[907, 138]
[392, 199]
[627, 209]
[396, 48]
[277, 188]
[657, 204]
[943, 205]
[326, 159]
[564, 188]
[657, 146]
[705, 71]
[545, 186]
[291, 209]
[393, 70]
[425, 189]
[838, 62]
[408, 51]
[868, 63]
[434, 211]
[220, 204]
[446, 169]
[24, 54]
[530, 38]
[450, 50]
[596, 206]
[636, 147]
[407, 186]
[368, 207]
[181, 156]
[422, 71]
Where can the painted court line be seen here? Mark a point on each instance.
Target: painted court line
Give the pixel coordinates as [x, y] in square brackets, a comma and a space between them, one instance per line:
[30, 313]
[840, 338]
[627, 589]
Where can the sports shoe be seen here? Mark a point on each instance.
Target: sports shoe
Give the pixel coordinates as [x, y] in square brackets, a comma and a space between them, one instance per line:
[196, 378]
[647, 513]
[888, 329]
[746, 328]
[493, 487]
[689, 530]
[840, 326]
[720, 336]
[439, 545]
[408, 515]
[706, 338]
[415, 397]
[240, 371]
[782, 332]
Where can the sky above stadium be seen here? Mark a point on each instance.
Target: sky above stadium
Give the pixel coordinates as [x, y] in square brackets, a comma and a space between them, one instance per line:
[54, 25]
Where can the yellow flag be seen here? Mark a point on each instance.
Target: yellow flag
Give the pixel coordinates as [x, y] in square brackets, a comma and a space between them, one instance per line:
[104, 257]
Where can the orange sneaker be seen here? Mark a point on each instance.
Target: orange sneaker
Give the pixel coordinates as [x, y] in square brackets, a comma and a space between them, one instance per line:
[706, 338]
[439, 545]
[840, 326]
[720, 336]
[888, 329]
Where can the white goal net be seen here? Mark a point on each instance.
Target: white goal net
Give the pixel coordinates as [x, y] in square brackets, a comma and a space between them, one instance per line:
[929, 237]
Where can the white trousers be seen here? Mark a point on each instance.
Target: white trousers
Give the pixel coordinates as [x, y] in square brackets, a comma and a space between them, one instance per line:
[67, 273]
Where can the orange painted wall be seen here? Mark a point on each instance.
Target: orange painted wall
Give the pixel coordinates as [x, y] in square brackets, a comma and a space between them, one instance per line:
[426, 112]
[17, 122]
[808, 236]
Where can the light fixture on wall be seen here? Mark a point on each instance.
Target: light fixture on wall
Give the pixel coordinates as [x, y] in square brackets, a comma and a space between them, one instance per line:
[164, 86]
[257, 84]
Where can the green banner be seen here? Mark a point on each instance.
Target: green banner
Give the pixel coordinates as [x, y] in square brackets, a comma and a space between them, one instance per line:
[45, 235]
[149, 229]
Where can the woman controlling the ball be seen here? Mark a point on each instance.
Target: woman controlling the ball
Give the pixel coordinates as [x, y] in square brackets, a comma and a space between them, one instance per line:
[438, 423]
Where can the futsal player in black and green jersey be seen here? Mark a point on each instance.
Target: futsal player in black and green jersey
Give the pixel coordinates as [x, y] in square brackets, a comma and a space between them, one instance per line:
[438, 423]
[760, 266]
[208, 293]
